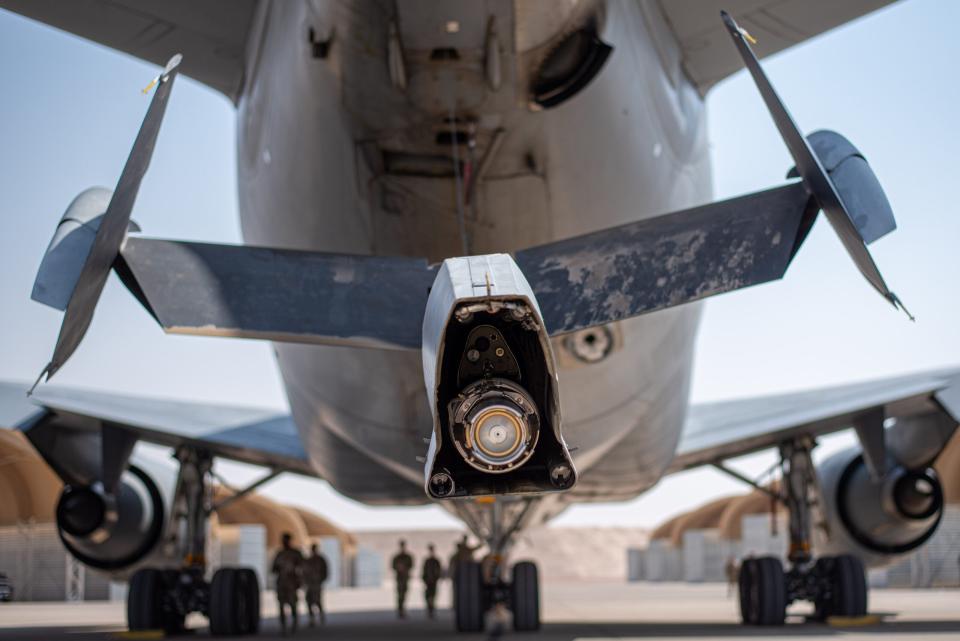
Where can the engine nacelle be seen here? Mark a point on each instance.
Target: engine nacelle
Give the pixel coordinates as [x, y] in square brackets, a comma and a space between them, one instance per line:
[492, 385]
[877, 519]
[112, 532]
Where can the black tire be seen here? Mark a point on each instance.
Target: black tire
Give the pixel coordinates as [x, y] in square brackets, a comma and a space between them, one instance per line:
[226, 604]
[747, 585]
[848, 587]
[145, 600]
[525, 597]
[252, 587]
[468, 597]
[174, 621]
[772, 608]
[762, 591]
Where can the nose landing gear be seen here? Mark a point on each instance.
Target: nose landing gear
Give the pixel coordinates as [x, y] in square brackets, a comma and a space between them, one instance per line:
[485, 595]
[475, 598]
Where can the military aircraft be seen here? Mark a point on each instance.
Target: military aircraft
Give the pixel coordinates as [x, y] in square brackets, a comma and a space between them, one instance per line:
[474, 232]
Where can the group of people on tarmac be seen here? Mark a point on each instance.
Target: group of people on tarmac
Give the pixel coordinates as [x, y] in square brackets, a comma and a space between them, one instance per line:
[431, 572]
[294, 571]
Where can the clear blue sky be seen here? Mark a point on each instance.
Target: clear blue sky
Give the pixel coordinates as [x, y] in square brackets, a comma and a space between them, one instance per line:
[69, 111]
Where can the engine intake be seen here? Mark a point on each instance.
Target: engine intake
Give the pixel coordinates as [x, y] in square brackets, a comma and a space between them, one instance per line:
[111, 532]
[878, 519]
[893, 516]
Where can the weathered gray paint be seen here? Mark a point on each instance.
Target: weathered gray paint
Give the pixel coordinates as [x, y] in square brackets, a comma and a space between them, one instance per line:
[281, 295]
[665, 261]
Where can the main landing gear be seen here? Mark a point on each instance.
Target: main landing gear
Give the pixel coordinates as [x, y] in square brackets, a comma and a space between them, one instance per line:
[836, 585]
[161, 599]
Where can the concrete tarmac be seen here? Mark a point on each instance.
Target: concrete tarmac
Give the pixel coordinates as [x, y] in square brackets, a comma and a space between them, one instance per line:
[582, 611]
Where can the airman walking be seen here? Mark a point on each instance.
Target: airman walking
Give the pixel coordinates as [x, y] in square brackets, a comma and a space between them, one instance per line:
[288, 566]
[432, 572]
[462, 554]
[314, 575]
[402, 568]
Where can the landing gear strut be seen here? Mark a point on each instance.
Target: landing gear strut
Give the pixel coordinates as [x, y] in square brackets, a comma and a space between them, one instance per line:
[162, 598]
[835, 584]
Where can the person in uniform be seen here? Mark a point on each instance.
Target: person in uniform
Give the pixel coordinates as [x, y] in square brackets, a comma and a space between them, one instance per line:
[402, 567]
[314, 574]
[432, 571]
[490, 567]
[462, 554]
[287, 565]
[732, 570]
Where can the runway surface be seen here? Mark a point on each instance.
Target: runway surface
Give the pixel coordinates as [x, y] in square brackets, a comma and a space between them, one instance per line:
[571, 611]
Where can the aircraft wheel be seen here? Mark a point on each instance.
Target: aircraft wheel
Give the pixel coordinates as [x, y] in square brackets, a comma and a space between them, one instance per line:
[252, 586]
[234, 602]
[848, 587]
[174, 620]
[762, 589]
[468, 597]
[746, 590]
[145, 600]
[525, 597]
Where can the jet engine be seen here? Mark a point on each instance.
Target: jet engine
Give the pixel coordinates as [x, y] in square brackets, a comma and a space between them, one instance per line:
[491, 379]
[112, 531]
[879, 517]
[115, 503]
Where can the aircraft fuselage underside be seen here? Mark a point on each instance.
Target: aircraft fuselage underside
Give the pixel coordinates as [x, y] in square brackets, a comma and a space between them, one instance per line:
[336, 154]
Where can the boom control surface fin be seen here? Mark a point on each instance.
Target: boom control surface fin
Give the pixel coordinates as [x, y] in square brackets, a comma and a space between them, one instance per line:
[808, 165]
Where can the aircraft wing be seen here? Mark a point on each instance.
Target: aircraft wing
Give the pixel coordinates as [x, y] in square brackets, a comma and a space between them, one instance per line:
[718, 431]
[249, 435]
[700, 45]
[211, 35]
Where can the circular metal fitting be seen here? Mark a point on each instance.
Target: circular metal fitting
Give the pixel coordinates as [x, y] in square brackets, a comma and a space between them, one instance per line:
[495, 425]
[590, 345]
[441, 484]
[561, 475]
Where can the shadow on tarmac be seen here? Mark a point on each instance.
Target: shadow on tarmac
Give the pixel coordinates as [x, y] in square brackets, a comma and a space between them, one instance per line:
[382, 624]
